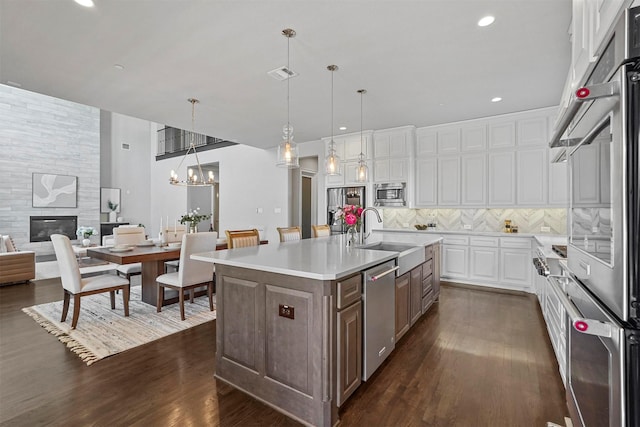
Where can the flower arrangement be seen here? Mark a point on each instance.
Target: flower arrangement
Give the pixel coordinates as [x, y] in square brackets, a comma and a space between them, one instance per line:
[194, 217]
[86, 232]
[350, 215]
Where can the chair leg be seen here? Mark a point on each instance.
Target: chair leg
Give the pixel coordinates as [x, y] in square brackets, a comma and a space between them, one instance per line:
[192, 292]
[112, 294]
[65, 305]
[125, 300]
[76, 311]
[160, 298]
[210, 294]
[181, 298]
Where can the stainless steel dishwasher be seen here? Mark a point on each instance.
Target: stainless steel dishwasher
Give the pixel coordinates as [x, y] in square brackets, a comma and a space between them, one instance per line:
[379, 316]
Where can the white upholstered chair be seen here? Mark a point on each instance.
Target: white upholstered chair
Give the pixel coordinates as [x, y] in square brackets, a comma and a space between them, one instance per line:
[288, 234]
[242, 238]
[192, 274]
[128, 236]
[321, 230]
[173, 235]
[77, 286]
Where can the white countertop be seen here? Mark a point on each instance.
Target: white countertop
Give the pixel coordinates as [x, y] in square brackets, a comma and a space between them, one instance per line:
[462, 232]
[322, 258]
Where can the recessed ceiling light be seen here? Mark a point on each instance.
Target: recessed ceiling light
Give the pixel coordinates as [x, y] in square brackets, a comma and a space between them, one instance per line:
[85, 3]
[342, 128]
[487, 20]
[496, 99]
[118, 67]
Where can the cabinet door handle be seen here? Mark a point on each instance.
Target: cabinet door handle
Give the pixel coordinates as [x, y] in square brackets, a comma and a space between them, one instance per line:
[389, 271]
[586, 267]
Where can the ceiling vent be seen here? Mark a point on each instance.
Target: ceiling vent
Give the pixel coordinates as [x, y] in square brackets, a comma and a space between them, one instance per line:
[282, 73]
[125, 146]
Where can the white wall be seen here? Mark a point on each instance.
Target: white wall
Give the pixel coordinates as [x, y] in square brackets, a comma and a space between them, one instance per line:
[316, 148]
[249, 180]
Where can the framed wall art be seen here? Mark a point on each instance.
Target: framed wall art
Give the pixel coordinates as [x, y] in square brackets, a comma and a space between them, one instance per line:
[54, 191]
[109, 197]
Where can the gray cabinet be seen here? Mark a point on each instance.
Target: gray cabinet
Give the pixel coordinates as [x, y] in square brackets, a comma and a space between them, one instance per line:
[403, 296]
[415, 278]
[349, 337]
[437, 248]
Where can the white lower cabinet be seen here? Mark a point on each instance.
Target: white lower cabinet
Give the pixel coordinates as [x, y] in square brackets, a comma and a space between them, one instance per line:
[454, 261]
[499, 262]
[483, 264]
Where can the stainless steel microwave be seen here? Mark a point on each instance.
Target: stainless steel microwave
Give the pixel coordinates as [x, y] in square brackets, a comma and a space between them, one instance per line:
[391, 194]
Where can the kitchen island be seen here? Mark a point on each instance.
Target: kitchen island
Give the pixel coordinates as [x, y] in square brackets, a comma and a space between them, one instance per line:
[277, 324]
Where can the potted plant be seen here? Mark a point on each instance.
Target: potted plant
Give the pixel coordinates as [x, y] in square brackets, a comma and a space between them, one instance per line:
[193, 218]
[85, 233]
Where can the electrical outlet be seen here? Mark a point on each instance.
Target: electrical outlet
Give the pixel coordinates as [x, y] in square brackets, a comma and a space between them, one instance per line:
[594, 229]
[286, 311]
[467, 226]
[545, 229]
[259, 210]
[277, 210]
[405, 224]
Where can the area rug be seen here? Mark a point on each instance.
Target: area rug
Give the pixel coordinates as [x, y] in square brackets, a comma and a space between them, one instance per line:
[102, 332]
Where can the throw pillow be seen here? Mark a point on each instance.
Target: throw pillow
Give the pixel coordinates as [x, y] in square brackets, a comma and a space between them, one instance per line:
[8, 241]
[3, 245]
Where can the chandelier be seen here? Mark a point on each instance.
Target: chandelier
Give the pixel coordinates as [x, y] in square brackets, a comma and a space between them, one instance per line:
[288, 150]
[362, 171]
[332, 161]
[193, 179]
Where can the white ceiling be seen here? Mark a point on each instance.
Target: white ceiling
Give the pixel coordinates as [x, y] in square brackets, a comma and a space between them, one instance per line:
[422, 62]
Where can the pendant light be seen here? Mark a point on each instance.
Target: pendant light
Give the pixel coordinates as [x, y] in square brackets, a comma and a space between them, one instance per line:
[192, 179]
[288, 150]
[332, 162]
[362, 171]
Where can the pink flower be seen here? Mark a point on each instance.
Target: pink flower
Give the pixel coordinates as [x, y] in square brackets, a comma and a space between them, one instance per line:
[347, 208]
[359, 212]
[350, 219]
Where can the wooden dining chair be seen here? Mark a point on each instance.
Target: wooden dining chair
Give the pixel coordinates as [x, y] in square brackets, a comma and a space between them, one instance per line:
[191, 273]
[288, 234]
[321, 230]
[242, 238]
[129, 236]
[78, 287]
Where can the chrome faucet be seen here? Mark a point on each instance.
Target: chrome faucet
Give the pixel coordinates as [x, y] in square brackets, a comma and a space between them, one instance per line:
[362, 237]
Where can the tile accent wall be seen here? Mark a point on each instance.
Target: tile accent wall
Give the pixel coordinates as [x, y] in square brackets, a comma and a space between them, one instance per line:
[527, 220]
[42, 134]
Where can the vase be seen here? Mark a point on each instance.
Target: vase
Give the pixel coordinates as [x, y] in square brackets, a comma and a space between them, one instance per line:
[113, 216]
[352, 236]
[193, 227]
[86, 242]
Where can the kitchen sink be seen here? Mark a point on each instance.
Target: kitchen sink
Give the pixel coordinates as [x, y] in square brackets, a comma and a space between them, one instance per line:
[409, 256]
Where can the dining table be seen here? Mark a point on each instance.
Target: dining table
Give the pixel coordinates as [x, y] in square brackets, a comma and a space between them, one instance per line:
[152, 259]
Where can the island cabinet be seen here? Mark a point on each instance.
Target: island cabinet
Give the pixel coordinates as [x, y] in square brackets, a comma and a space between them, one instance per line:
[276, 340]
[349, 340]
[417, 290]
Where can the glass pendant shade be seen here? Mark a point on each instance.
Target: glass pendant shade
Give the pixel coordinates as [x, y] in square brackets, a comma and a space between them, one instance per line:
[288, 150]
[332, 161]
[362, 170]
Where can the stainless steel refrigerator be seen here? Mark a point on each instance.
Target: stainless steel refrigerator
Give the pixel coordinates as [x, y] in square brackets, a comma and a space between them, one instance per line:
[338, 197]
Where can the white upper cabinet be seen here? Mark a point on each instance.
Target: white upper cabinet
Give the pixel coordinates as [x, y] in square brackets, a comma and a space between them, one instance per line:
[426, 142]
[533, 131]
[397, 142]
[531, 178]
[581, 39]
[502, 179]
[449, 140]
[502, 134]
[449, 180]
[605, 14]
[558, 180]
[426, 182]
[352, 146]
[474, 138]
[474, 179]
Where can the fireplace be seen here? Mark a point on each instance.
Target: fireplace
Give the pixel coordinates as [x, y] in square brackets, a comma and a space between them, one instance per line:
[42, 227]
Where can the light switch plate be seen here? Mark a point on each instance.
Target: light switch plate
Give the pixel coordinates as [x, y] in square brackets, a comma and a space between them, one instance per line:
[467, 227]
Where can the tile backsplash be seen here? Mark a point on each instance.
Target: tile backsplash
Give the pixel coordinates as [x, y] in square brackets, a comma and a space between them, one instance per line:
[527, 220]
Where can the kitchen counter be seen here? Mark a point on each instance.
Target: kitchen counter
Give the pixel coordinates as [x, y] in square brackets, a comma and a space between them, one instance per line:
[323, 258]
[469, 233]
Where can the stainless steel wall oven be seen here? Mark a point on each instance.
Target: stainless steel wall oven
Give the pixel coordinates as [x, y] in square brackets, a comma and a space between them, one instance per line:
[602, 280]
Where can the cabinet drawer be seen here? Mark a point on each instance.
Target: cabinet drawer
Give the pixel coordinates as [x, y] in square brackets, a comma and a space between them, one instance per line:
[491, 242]
[429, 252]
[427, 269]
[515, 242]
[427, 302]
[427, 285]
[349, 291]
[455, 240]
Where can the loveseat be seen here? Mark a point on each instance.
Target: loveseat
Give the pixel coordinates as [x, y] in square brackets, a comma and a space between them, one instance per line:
[15, 266]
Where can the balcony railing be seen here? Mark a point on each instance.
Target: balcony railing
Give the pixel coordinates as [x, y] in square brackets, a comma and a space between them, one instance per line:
[174, 142]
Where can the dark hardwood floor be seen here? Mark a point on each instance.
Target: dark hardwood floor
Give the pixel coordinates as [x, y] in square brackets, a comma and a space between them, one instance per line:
[476, 359]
